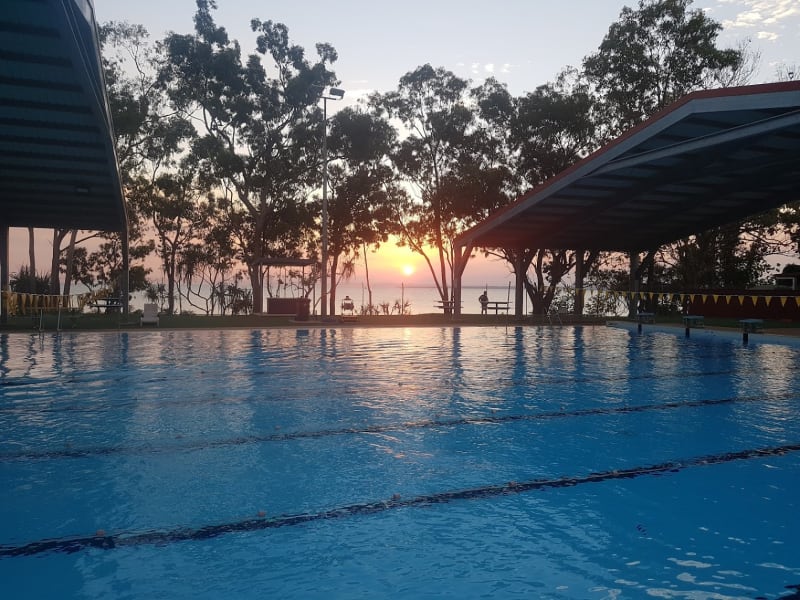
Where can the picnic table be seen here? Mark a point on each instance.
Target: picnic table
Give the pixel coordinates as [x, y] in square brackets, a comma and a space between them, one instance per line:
[497, 305]
[111, 305]
[448, 306]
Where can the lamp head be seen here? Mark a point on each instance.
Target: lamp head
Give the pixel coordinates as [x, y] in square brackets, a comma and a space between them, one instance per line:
[336, 93]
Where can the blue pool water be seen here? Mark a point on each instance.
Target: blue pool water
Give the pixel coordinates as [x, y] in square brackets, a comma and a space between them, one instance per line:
[398, 463]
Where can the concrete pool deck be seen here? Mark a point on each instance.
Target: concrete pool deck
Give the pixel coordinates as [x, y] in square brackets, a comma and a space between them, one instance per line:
[776, 335]
[101, 322]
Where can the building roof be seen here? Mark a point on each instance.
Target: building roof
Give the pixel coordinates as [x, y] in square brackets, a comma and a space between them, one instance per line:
[712, 158]
[58, 168]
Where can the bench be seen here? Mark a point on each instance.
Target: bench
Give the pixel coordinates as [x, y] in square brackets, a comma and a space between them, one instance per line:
[497, 306]
[446, 305]
[112, 305]
[751, 325]
[694, 321]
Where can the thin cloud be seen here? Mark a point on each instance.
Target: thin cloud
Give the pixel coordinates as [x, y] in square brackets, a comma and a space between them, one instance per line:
[478, 68]
[762, 13]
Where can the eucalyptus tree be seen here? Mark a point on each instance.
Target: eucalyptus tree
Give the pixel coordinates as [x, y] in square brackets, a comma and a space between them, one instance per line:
[362, 209]
[789, 219]
[442, 159]
[148, 139]
[175, 205]
[257, 126]
[653, 56]
[539, 135]
[208, 263]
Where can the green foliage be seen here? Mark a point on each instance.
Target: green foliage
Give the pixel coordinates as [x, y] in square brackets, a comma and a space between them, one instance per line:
[258, 129]
[221, 156]
[362, 207]
[20, 282]
[789, 219]
[448, 159]
[718, 258]
[552, 128]
[653, 56]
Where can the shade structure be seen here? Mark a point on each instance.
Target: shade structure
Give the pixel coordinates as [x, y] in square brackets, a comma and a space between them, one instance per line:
[58, 167]
[711, 158]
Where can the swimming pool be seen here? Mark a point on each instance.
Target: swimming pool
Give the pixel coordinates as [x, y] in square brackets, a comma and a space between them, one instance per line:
[585, 462]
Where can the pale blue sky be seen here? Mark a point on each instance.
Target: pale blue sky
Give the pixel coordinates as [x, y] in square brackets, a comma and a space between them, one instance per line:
[523, 43]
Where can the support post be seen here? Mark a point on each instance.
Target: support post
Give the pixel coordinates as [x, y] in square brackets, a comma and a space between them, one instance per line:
[324, 303]
[519, 285]
[457, 282]
[461, 256]
[634, 283]
[5, 277]
[579, 275]
[125, 284]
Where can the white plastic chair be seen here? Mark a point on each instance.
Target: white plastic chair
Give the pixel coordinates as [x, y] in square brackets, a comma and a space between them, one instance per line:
[149, 315]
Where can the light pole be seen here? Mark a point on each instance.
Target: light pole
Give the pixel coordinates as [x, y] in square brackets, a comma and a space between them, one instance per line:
[333, 94]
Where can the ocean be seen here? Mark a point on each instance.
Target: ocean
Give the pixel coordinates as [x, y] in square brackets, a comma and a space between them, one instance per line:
[418, 299]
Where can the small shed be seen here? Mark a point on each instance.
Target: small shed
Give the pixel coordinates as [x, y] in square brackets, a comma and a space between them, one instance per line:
[299, 307]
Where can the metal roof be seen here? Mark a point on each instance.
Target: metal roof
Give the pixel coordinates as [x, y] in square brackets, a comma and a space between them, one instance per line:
[711, 158]
[58, 168]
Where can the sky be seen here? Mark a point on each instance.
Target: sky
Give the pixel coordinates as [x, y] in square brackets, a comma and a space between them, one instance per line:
[522, 43]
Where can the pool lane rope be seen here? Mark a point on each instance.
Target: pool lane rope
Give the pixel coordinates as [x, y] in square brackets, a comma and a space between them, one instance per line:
[103, 541]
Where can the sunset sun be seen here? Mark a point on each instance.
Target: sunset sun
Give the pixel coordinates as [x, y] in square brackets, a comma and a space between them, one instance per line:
[408, 270]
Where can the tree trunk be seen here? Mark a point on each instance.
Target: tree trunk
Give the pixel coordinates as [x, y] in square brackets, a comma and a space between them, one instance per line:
[55, 282]
[55, 263]
[70, 258]
[171, 281]
[369, 287]
[31, 260]
[332, 285]
[256, 283]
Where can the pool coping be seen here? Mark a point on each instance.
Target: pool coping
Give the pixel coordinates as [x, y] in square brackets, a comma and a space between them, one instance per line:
[789, 337]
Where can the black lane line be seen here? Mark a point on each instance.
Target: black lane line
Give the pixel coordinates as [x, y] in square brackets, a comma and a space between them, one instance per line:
[378, 429]
[161, 537]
